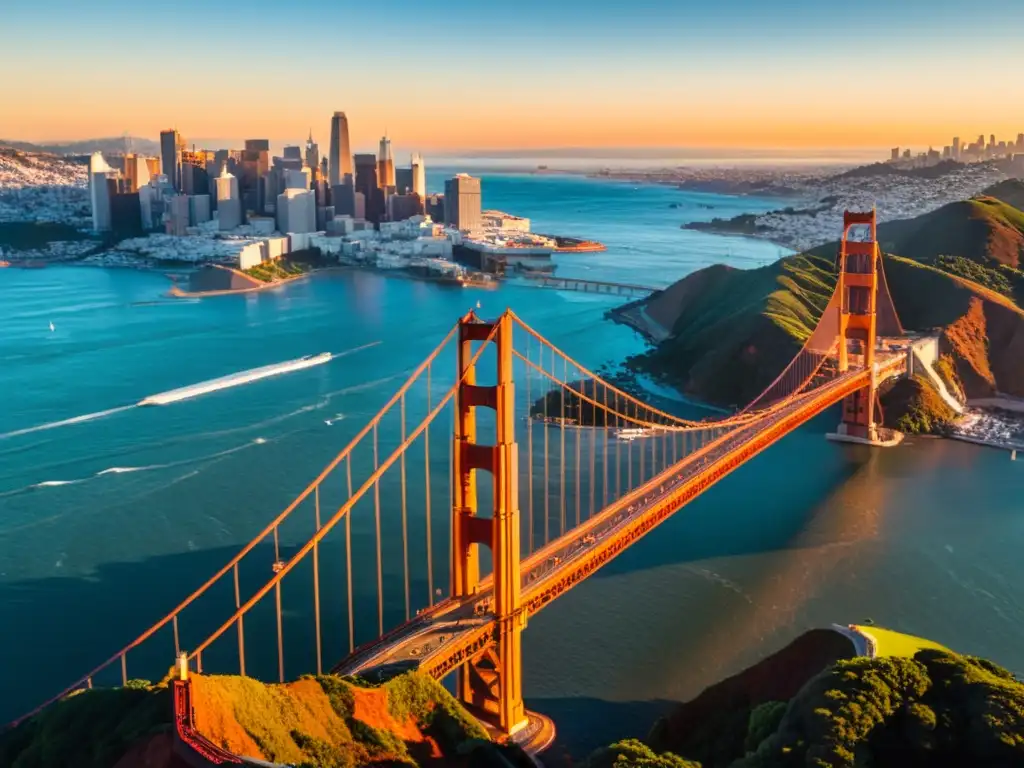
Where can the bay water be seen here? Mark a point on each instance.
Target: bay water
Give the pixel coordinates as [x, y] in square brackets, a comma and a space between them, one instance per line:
[110, 514]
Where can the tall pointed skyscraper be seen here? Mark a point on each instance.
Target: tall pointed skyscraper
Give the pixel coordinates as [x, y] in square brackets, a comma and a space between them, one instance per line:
[341, 150]
[312, 153]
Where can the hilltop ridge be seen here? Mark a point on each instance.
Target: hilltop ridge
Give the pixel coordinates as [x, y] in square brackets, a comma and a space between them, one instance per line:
[723, 334]
[112, 144]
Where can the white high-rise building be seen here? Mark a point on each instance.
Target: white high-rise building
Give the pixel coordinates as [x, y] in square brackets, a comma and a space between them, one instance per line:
[419, 176]
[99, 191]
[229, 201]
[296, 211]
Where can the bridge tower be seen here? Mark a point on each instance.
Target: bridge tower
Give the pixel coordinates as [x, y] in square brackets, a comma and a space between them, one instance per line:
[490, 681]
[858, 310]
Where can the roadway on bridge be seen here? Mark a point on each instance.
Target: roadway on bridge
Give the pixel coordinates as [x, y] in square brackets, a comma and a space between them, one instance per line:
[454, 627]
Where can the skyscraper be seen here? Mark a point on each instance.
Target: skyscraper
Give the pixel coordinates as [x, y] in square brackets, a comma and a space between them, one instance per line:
[136, 172]
[296, 211]
[312, 153]
[956, 147]
[229, 201]
[170, 157]
[341, 151]
[385, 164]
[462, 202]
[419, 175]
[366, 185]
[100, 176]
[403, 181]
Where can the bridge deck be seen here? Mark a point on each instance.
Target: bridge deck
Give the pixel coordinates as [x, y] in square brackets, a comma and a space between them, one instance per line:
[589, 286]
[452, 632]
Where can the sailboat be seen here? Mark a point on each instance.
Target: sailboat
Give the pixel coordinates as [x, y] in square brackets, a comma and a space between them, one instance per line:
[478, 305]
[51, 326]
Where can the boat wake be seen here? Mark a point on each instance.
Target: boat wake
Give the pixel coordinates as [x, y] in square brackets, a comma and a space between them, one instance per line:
[352, 351]
[126, 470]
[53, 483]
[66, 422]
[236, 379]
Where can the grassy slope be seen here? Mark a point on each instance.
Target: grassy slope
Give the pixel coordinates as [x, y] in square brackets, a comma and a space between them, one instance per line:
[728, 338]
[916, 704]
[317, 721]
[914, 407]
[890, 643]
[980, 229]
[732, 337]
[1010, 192]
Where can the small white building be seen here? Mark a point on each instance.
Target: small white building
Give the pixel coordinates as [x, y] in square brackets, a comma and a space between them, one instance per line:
[250, 256]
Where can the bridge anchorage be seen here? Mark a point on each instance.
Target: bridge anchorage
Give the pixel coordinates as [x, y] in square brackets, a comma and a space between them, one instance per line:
[584, 472]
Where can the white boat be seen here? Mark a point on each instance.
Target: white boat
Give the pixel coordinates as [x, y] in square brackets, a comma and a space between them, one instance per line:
[51, 326]
[233, 380]
[632, 433]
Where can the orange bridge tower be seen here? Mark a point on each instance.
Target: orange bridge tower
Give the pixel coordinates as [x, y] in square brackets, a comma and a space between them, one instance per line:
[491, 680]
[865, 311]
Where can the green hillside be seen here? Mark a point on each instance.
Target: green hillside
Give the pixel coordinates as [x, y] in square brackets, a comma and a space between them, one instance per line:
[956, 274]
[314, 722]
[1010, 192]
[982, 229]
[727, 339]
[816, 703]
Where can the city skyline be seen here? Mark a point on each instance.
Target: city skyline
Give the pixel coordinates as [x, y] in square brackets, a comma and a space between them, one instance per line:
[672, 75]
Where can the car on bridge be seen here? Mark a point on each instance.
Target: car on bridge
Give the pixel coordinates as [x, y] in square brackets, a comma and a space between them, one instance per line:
[385, 672]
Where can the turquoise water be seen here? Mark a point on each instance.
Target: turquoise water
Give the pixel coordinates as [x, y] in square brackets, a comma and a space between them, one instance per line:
[106, 523]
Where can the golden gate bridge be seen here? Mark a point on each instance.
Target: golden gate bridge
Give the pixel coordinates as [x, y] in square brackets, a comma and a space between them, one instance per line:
[516, 473]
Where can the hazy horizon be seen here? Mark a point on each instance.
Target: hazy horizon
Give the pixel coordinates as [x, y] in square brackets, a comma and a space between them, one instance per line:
[533, 76]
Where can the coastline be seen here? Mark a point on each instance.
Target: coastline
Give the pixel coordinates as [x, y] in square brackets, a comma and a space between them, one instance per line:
[178, 293]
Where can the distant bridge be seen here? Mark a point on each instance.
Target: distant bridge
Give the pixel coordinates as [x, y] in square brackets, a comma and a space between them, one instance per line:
[630, 290]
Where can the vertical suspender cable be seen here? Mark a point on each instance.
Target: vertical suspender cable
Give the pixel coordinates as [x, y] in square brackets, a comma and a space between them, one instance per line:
[241, 631]
[593, 448]
[561, 392]
[316, 585]
[604, 450]
[642, 447]
[629, 458]
[405, 521]
[547, 480]
[426, 498]
[529, 448]
[376, 514]
[280, 636]
[277, 607]
[618, 452]
[579, 436]
[348, 559]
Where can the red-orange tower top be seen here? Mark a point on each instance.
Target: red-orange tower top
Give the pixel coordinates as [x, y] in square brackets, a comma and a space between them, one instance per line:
[858, 217]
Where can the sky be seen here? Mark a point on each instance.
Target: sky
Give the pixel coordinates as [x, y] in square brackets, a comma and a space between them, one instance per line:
[455, 76]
